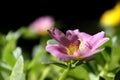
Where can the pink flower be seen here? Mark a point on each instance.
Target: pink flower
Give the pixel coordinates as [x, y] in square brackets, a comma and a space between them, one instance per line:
[75, 44]
[42, 24]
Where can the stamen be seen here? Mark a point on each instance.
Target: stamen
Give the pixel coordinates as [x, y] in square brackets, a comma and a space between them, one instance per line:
[72, 48]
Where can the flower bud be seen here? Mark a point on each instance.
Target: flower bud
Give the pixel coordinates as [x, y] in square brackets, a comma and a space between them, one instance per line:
[42, 24]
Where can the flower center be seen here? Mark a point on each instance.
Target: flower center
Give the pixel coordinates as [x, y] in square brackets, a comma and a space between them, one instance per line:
[72, 48]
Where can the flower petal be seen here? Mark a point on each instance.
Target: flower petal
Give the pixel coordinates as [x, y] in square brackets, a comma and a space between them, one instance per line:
[72, 36]
[84, 49]
[84, 36]
[87, 53]
[59, 52]
[100, 42]
[95, 38]
[97, 51]
[42, 24]
[92, 53]
[59, 36]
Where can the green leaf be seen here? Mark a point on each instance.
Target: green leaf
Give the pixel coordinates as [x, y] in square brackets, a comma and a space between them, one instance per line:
[108, 50]
[17, 52]
[93, 76]
[107, 54]
[91, 66]
[100, 59]
[52, 41]
[7, 55]
[11, 41]
[48, 61]
[117, 76]
[5, 66]
[115, 58]
[17, 72]
[36, 58]
[27, 33]
[1, 77]
[2, 43]
[38, 49]
[13, 35]
[78, 73]
[35, 71]
[101, 78]
[5, 70]
[2, 40]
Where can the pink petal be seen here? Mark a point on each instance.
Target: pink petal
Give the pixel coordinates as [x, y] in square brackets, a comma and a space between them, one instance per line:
[97, 51]
[92, 53]
[95, 38]
[42, 24]
[84, 36]
[84, 50]
[72, 36]
[87, 53]
[99, 43]
[59, 52]
[59, 36]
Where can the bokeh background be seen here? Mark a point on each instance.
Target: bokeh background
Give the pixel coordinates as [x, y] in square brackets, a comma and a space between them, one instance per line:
[83, 14]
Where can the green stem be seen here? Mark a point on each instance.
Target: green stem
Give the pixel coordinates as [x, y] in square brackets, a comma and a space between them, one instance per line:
[43, 40]
[64, 75]
[45, 73]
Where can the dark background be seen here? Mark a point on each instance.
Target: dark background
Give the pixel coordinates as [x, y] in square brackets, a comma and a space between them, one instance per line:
[82, 14]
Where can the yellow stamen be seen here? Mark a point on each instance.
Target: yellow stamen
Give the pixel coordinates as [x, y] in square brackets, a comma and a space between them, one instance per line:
[72, 48]
[82, 45]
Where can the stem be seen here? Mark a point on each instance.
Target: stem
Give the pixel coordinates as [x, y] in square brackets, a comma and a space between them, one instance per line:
[64, 75]
[43, 40]
[45, 73]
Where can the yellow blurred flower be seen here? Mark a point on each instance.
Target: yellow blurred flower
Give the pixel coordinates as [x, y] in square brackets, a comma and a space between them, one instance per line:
[111, 17]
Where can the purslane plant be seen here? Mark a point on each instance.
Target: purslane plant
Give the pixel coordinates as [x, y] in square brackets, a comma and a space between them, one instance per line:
[75, 45]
